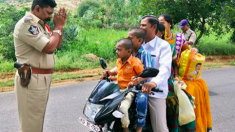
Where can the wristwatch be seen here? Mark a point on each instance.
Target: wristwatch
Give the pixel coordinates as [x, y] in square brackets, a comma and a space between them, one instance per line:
[57, 31]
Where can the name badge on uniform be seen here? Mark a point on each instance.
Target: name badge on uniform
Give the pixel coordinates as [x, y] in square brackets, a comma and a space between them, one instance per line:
[33, 30]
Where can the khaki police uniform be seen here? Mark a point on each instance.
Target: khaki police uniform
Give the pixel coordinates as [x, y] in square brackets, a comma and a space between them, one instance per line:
[30, 37]
[189, 35]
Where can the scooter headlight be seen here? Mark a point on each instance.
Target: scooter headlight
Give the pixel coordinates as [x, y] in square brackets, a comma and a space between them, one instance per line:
[91, 110]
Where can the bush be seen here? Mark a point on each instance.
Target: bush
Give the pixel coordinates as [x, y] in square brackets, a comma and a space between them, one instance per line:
[5, 66]
[216, 45]
[9, 17]
[70, 34]
[91, 13]
[86, 6]
[117, 14]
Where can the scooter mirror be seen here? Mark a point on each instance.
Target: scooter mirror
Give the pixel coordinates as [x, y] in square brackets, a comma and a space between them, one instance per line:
[118, 114]
[149, 72]
[103, 63]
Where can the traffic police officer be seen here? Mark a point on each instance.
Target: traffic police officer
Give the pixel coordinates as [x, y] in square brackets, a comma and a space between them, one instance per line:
[35, 46]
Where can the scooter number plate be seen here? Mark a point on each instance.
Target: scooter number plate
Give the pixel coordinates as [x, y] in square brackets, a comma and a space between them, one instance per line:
[88, 124]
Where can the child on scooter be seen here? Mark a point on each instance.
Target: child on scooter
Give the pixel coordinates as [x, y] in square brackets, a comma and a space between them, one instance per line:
[127, 67]
[137, 35]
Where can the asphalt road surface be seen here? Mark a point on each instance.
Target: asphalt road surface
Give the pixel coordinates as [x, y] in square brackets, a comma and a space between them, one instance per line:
[66, 104]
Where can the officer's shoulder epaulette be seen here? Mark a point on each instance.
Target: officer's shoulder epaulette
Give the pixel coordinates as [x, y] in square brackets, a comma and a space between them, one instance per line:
[27, 19]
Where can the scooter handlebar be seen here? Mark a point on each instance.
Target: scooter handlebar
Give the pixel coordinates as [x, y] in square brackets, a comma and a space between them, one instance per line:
[106, 77]
[156, 90]
[138, 89]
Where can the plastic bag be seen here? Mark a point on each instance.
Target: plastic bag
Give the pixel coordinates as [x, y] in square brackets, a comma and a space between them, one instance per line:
[186, 111]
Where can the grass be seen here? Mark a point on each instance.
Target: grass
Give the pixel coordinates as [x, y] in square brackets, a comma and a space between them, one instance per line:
[232, 63]
[218, 64]
[10, 82]
[58, 78]
[213, 65]
[6, 66]
[101, 42]
[7, 85]
[212, 45]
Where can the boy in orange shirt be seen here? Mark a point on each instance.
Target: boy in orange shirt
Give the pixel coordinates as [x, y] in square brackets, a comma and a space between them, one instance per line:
[127, 67]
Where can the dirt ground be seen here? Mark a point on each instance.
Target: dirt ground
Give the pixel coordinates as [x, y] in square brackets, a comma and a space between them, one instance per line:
[94, 74]
[221, 61]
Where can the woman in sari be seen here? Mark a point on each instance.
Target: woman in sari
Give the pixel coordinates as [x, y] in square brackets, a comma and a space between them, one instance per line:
[196, 88]
[172, 100]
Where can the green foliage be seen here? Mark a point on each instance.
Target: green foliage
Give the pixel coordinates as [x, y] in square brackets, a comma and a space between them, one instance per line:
[68, 76]
[92, 18]
[199, 12]
[94, 29]
[5, 66]
[3, 1]
[9, 17]
[100, 42]
[229, 17]
[86, 6]
[24, 1]
[7, 83]
[72, 60]
[232, 63]
[212, 45]
[70, 33]
[117, 14]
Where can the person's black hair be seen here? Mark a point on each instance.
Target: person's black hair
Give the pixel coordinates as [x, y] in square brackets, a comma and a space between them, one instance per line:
[168, 19]
[126, 43]
[138, 32]
[152, 20]
[161, 28]
[198, 64]
[43, 3]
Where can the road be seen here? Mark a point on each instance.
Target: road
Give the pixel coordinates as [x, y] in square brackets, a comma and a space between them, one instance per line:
[66, 103]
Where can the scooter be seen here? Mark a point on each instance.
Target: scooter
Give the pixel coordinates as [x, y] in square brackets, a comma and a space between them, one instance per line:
[101, 108]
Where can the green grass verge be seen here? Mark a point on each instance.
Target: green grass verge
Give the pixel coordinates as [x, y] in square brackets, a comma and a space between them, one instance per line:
[213, 65]
[212, 45]
[10, 82]
[232, 63]
[58, 78]
[6, 66]
[101, 42]
[55, 78]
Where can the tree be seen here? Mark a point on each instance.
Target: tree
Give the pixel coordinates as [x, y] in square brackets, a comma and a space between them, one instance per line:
[117, 14]
[199, 13]
[229, 17]
[9, 17]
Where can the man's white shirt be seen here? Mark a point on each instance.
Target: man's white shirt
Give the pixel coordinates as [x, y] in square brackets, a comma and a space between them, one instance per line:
[160, 51]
